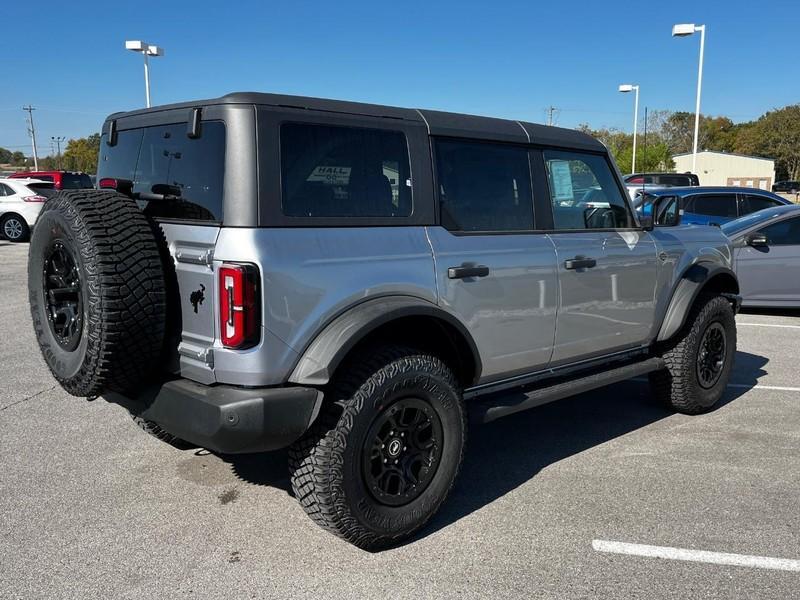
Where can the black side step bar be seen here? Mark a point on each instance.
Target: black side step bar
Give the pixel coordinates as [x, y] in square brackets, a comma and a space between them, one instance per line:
[491, 407]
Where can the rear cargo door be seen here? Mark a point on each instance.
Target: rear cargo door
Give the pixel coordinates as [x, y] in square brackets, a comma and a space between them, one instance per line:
[178, 181]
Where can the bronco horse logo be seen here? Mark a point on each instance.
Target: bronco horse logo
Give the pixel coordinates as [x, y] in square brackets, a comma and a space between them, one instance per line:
[197, 297]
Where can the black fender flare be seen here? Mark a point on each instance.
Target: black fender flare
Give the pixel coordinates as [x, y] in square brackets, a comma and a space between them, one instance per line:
[321, 357]
[686, 292]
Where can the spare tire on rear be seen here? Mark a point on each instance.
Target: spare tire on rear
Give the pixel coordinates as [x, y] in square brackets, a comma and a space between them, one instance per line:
[96, 290]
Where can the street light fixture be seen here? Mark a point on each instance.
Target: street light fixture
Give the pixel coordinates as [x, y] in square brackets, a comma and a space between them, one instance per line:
[625, 88]
[146, 50]
[683, 30]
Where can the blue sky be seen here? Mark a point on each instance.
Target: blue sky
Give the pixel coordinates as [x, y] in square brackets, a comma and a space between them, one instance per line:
[500, 58]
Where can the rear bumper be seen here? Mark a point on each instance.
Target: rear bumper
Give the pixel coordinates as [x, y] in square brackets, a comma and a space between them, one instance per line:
[227, 419]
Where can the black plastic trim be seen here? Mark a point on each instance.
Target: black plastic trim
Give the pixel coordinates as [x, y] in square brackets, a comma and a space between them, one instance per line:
[227, 419]
[686, 291]
[320, 359]
[500, 405]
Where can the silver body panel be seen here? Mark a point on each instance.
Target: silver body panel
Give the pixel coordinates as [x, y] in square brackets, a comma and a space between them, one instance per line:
[511, 313]
[610, 306]
[528, 314]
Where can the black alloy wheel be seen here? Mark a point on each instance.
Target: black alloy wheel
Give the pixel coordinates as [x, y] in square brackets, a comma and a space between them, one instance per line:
[62, 295]
[402, 451]
[711, 355]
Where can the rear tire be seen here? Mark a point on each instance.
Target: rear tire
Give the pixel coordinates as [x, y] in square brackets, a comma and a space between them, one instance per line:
[699, 358]
[15, 229]
[386, 450]
[96, 292]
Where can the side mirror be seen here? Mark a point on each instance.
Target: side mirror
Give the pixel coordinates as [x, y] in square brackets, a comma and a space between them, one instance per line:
[666, 211]
[757, 240]
[646, 221]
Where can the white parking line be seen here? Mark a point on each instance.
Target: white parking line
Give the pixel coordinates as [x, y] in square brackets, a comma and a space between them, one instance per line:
[779, 388]
[769, 325]
[704, 556]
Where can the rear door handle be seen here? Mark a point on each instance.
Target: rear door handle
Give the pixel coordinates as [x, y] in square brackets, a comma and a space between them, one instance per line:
[579, 262]
[467, 271]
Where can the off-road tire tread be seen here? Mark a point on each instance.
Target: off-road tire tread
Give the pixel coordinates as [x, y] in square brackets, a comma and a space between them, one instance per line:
[675, 385]
[316, 460]
[126, 320]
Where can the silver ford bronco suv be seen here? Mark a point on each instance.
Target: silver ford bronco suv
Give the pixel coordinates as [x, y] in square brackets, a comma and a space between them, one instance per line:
[353, 281]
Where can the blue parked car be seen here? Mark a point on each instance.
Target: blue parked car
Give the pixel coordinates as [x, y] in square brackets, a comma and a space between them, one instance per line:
[707, 205]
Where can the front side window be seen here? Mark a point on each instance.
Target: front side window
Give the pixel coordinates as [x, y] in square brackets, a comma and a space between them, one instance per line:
[714, 205]
[483, 187]
[785, 233]
[332, 171]
[752, 203]
[584, 192]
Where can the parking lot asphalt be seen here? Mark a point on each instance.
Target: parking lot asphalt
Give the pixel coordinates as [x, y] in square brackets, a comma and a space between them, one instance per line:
[91, 506]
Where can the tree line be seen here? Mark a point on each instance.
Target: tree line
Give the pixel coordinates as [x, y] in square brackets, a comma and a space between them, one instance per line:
[79, 155]
[775, 135]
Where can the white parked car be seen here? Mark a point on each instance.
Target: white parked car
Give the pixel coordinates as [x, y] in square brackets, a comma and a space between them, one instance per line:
[20, 203]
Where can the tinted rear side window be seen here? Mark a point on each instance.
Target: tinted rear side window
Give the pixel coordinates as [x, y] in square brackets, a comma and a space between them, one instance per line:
[483, 187]
[752, 203]
[332, 171]
[715, 205]
[174, 177]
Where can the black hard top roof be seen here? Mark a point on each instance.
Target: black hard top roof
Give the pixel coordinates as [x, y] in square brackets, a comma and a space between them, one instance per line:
[438, 123]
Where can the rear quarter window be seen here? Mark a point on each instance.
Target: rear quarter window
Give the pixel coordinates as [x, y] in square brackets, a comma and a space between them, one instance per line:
[336, 171]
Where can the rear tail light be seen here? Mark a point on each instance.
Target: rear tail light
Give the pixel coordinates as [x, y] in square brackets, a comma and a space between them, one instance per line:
[239, 309]
[36, 198]
[123, 186]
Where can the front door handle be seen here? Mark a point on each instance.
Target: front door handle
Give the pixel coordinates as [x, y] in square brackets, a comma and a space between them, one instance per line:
[580, 262]
[467, 271]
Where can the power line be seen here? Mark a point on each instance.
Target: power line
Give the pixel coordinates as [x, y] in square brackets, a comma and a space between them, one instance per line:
[32, 132]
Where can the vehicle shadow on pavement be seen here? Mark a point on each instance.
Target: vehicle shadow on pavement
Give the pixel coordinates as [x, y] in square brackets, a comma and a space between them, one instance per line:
[506, 453]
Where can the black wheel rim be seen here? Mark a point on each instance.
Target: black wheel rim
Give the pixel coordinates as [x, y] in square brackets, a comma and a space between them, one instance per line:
[402, 451]
[12, 228]
[711, 355]
[62, 296]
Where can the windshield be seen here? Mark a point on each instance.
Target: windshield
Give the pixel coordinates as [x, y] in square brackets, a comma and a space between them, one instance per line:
[731, 228]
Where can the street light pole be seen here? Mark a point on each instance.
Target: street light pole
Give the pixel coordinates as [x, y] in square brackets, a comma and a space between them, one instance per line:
[147, 50]
[633, 88]
[146, 80]
[681, 31]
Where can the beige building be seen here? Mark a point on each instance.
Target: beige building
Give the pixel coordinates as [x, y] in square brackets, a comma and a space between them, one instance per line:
[724, 168]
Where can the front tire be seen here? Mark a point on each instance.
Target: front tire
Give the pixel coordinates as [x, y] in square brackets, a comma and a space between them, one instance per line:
[699, 359]
[385, 452]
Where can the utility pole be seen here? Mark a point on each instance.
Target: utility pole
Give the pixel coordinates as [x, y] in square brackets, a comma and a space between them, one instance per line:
[550, 111]
[58, 139]
[32, 132]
